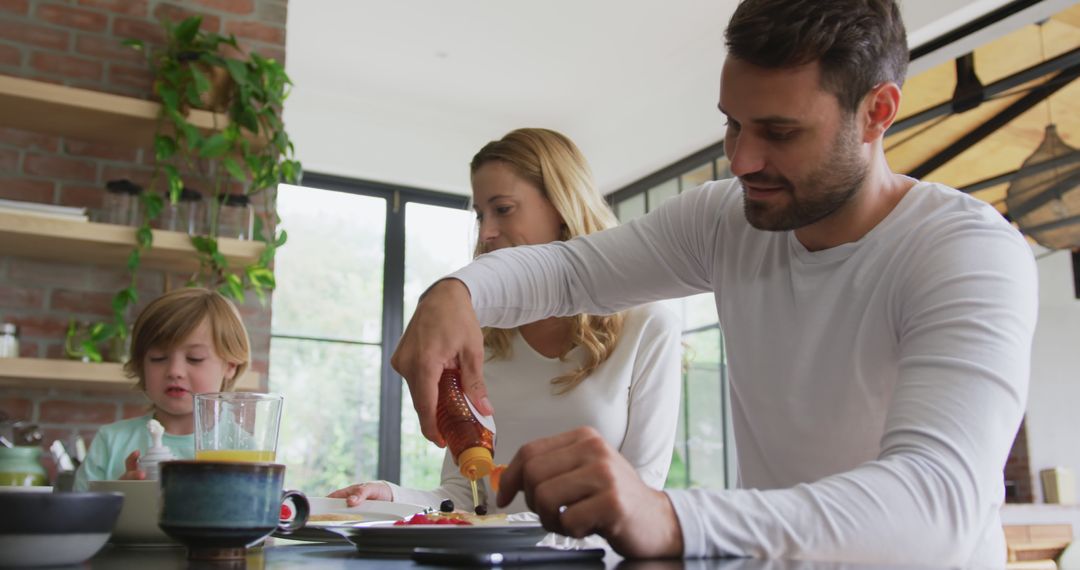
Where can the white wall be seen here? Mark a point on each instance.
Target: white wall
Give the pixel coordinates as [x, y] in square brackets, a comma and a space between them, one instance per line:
[1053, 413]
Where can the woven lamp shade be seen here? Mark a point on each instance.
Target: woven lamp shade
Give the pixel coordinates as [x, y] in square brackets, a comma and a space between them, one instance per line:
[1046, 205]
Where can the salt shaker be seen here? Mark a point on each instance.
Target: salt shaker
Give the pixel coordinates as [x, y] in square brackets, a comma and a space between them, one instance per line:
[9, 340]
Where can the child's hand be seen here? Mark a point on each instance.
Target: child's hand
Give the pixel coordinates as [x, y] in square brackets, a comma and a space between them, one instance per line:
[356, 494]
[132, 465]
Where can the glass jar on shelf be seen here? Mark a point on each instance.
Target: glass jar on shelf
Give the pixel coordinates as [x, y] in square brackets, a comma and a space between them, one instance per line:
[9, 340]
[121, 204]
[186, 215]
[235, 216]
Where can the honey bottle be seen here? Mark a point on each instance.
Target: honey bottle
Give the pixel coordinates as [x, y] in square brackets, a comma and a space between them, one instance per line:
[469, 434]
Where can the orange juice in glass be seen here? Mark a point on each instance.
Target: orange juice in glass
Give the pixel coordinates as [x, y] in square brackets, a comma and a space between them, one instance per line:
[241, 455]
[237, 426]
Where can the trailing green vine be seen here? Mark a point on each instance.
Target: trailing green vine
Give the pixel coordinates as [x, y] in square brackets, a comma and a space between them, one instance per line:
[199, 69]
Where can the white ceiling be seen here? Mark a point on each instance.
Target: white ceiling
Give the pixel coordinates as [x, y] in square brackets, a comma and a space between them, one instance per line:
[405, 92]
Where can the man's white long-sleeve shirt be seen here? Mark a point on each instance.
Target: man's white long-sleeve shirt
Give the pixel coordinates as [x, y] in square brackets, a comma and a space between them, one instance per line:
[876, 386]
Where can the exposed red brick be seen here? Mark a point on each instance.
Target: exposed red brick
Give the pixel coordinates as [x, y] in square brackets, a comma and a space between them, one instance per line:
[139, 78]
[256, 31]
[81, 302]
[9, 160]
[68, 412]
[177, 14]
[55, 351]
[25, 271]
[66, 65]
[119, 152]
[272, 13]
[15, 6]
[133, 410]
[28, 349]
[40, 326]
[261, 366]
[128, 7]
[27, 190]
[107, 47]
[17, 408]
[145, 30]
[10, 55]
[28, 140]
[36, 35]
[14, 297]
[72, 17]
[59, 167]
[234, 6]
[91, 197]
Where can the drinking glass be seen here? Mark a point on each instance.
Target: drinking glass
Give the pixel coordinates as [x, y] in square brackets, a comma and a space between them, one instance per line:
[237, 426]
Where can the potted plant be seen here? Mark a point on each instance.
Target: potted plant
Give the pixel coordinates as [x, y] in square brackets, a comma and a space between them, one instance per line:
[250, 149]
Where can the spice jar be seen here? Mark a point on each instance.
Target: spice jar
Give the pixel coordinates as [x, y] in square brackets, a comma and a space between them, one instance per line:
[121, 205]
[20, 466]
[185, 215]
[234, 216]
[9, 340]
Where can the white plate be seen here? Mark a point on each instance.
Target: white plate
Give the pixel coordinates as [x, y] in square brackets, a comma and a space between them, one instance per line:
[386, 539]
[367, 512]
[25, 489]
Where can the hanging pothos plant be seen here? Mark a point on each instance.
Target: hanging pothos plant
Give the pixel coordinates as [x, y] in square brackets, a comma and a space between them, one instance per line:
[196, 69]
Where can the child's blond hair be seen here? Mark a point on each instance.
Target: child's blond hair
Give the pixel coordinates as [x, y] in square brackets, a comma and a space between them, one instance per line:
[172, 317]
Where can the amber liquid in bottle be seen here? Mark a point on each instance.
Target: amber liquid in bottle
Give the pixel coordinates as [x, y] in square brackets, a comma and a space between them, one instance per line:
[459, 427]
[470, 443]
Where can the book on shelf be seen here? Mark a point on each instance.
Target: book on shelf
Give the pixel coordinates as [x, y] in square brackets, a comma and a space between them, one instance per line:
[44, 210]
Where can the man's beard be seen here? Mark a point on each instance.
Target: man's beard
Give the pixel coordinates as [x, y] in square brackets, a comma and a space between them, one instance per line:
[824, 190]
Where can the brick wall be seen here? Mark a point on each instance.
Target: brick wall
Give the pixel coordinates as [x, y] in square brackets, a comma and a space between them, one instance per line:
[77, 43]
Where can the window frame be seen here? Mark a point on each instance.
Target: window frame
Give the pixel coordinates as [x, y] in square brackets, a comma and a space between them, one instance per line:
[642, 187]
[393, 302]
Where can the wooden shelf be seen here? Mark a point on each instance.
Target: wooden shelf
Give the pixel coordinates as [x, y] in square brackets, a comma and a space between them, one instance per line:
[73, 374]
[86, 114]
[56, 239]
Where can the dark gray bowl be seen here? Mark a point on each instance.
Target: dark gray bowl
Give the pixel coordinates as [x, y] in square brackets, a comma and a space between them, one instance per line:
[54, 529]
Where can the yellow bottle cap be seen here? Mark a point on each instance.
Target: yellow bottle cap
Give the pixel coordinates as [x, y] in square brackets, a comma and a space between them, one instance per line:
[475, 462]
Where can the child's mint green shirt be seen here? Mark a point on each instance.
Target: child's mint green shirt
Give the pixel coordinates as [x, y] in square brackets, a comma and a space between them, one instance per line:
[114, 442]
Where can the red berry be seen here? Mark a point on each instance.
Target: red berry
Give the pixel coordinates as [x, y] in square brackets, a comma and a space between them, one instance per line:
[286, 512]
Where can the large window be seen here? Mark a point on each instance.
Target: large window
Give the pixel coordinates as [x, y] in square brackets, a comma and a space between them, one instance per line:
[357, 258]
[437, 241]
[703, 455]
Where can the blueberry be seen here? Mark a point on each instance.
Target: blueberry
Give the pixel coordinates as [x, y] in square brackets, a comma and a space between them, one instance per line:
[481, 510]
[447, 506]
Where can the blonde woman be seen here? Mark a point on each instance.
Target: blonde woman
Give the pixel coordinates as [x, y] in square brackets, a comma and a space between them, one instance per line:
[185, 342]
[615, 373]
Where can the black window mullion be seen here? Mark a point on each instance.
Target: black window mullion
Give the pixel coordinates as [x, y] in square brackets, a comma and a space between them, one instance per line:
[393, 307]
[389, 468]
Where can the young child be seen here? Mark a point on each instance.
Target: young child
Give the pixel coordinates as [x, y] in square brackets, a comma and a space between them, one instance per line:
[185, 342]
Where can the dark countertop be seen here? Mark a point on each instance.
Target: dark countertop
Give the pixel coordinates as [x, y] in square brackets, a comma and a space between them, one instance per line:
[314, 555]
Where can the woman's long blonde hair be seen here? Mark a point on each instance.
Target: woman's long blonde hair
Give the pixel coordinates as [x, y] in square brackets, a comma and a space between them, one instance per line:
[553, 163]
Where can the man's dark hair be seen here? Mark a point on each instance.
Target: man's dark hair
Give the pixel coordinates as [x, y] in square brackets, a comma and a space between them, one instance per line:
[859, 43]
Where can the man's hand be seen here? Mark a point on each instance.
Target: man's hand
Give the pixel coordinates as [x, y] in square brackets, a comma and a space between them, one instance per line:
[356, 494]
[443, 333]
[580, 485]
[131, 466]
